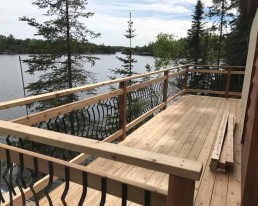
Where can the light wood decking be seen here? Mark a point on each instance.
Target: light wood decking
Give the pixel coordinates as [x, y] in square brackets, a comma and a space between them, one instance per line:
[187, 129]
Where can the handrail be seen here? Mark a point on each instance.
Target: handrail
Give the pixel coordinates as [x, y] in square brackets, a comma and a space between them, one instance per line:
[159, 162]
[221, 66]
[51, 95]
[53, 112]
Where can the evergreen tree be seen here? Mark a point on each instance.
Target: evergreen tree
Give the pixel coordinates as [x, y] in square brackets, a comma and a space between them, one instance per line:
[128, 60]
[62, 67]
[236, 43]
[127, 70]
[195, 35]
[237, 40]
[220, 12]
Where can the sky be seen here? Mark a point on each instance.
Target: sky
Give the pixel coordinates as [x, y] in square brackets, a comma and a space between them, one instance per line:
[150, 18]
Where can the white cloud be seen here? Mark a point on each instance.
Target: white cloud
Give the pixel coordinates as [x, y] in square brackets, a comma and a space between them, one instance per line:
[150, 17]
[113, 29]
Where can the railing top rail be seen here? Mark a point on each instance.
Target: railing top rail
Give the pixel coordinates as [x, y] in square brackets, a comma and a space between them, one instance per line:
[52, 95]
[159, 162]
[220, 66]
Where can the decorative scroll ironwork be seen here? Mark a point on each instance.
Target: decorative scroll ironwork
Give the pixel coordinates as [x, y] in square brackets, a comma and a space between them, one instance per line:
[215, 81]
[66, 174]
[175, 84]
[96, 121]
[142, 100]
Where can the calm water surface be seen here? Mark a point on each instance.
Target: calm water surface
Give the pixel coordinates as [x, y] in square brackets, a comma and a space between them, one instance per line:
[11, 80]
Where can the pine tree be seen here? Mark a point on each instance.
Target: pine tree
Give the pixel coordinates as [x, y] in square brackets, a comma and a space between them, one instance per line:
[236, 41]
[219, 11]
[195, 35]
[127, 70]
[63, 67]
[128, 60]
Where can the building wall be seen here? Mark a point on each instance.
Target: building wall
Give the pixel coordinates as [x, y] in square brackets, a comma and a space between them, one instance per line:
[249, 173]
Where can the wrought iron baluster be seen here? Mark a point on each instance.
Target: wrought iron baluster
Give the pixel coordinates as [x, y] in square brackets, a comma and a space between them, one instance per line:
[50, 182]
[103, 191]
[8, 140]
[78, 122]
[48, 124]
[147, 198]
[104, 132]
[116, 113]
[84, 121]
[146, 100]
[97, 122]
[124, 194]
[94, 121]
[1, 196]
[112, 119]
[84, 190]
[89, 121]
[19, 177]
[8, 184]
[64, 123]
[57, 124]
[21, 143]
[67, 183]
[34, 175]
[21, 171]
[39, 124]
[102, 115]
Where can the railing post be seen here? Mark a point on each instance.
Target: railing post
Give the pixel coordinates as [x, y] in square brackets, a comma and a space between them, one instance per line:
[165, 89]
[186, 78]
[228, 82]
[122, 109]
[180, 191]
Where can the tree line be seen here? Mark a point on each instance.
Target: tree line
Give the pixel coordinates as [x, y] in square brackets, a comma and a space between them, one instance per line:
[10, 45]
[218, 35]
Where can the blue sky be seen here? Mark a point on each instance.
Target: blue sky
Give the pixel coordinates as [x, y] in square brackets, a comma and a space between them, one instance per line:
[150, 18]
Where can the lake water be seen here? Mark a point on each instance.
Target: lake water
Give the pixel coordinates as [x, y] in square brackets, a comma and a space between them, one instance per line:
[11, 80]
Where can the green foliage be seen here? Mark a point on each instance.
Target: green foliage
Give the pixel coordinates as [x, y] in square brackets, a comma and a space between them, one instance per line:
[236, 42]
[127, 61]
[146, 50]
[220, 11]
[40, 46]
[195, 37]
[169, 51]
[65, 38]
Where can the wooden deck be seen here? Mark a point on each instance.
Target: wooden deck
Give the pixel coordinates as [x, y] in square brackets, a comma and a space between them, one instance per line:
[186, 129]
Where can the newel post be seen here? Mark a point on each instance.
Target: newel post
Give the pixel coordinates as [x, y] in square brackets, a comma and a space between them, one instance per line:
[165, 89]
[122, 109]
[186, 78]
[180, 191]
[228, 82]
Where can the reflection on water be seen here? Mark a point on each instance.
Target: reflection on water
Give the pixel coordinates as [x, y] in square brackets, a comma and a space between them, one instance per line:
[11, 81]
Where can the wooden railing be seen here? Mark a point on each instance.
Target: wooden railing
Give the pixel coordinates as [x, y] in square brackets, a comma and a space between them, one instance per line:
[183, 173]
[220, 80]
[162, 87]
[160, 93]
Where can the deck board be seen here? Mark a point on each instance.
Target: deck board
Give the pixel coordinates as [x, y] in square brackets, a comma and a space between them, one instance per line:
[186, 129]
